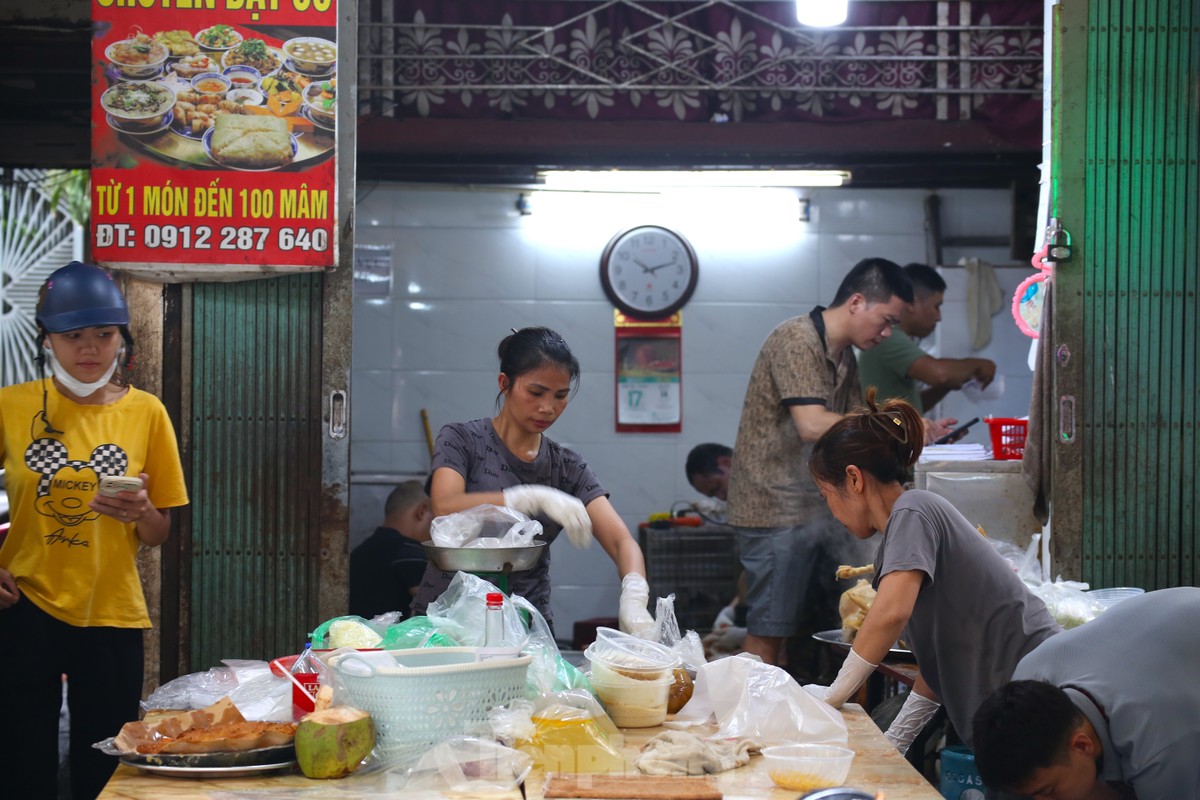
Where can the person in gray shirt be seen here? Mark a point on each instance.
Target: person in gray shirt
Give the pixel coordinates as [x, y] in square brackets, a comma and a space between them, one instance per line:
[508, 460]
[1106, 708]
[940, 585]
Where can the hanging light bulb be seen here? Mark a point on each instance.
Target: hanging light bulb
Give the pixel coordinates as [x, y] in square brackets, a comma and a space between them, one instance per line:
[822, 13]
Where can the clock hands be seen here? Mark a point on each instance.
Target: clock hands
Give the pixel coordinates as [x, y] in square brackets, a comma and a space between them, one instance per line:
[651, 270]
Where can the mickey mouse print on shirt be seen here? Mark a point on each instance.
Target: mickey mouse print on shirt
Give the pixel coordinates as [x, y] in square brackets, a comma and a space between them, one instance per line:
[66, 486]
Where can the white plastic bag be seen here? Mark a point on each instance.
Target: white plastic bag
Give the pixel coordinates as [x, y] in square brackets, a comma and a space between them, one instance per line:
[484, 526]
[465, 764]
[977, 393]
[1068, 602]
[753, 700]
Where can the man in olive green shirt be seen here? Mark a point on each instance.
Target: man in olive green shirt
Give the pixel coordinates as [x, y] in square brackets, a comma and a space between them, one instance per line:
[896, 364]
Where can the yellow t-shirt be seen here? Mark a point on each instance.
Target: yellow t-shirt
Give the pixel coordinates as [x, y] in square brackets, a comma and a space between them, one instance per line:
[73, 563]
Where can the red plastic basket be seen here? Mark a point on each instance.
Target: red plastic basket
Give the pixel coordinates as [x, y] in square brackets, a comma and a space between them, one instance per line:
[1008, 437]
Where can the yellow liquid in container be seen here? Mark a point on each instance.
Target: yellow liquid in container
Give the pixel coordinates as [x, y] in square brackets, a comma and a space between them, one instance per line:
[798, 781]
[572, 745]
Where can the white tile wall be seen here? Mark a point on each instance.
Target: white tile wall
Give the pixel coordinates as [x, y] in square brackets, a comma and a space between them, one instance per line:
[468, 268]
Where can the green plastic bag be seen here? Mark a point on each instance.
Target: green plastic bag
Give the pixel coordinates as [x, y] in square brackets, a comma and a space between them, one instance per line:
[413, 633]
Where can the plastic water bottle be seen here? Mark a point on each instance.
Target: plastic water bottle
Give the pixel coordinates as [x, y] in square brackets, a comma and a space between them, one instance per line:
[493, 620]
[305, 673]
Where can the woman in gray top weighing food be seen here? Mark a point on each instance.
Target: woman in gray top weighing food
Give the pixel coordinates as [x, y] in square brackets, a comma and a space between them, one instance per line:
[509, 461]
[958, 604]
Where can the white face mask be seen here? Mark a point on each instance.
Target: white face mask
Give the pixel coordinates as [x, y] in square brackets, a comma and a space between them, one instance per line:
[78, 387]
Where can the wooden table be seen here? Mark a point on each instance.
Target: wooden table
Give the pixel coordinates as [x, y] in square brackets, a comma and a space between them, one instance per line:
[877, 767]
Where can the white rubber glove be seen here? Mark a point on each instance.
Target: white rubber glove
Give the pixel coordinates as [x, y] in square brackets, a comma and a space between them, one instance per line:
[855, 670]
[725, 618]
[632, 615]
[561, 507]
[914, 715]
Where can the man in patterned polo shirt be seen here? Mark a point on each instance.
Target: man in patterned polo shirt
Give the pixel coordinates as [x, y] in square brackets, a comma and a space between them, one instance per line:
[804, 380]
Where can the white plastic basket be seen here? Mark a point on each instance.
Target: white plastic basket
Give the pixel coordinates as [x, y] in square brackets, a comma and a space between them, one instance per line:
[429, 695]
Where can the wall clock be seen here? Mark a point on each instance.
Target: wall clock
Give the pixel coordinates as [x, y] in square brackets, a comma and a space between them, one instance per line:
[649, 271]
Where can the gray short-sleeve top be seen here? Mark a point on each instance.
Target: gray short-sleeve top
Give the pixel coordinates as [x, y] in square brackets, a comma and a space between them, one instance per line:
[1132, 672]
[973, 619]
[475, 451]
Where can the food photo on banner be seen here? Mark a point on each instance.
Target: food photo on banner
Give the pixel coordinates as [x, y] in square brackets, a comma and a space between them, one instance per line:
[214, 132]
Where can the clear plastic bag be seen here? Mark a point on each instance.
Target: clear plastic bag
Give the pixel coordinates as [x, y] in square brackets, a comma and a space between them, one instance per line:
[484, 526]
[572, 734]
[350, 631]
[194, 690]
[466, 764]
[258, 693]
[459, 614]
[512, 723]
[1068, 602]
[381, 633]
[687, 645]
[753, 700]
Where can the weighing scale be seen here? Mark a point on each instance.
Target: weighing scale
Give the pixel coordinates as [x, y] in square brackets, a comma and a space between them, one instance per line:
[493, 564]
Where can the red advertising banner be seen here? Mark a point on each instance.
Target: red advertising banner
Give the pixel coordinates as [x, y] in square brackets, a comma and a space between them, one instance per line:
[213, 132]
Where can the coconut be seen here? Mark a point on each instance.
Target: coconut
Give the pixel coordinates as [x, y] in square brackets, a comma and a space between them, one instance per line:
[331, 743]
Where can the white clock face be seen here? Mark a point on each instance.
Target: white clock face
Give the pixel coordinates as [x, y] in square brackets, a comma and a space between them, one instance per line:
[649, 271]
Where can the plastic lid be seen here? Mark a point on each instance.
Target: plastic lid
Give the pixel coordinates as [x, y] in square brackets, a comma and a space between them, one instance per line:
[622, 650]
[495, 599]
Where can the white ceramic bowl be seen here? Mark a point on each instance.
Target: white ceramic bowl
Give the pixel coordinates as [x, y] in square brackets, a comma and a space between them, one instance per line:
[138, 104]
[212, 80]
[247, 97]
[311, 54]
[806, 767]
[316, 104]
[149, 68]
[242, 76]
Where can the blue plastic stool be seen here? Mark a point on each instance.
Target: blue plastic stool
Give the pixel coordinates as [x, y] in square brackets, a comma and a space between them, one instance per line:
[960, 779]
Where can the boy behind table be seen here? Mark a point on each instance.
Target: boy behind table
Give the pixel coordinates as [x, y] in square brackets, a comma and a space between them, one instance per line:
[386, 568]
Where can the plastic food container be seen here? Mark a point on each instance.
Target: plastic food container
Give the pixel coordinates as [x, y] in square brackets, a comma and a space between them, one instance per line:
[633, 703]
[806, 767]
[617, 656]
[1110, 597]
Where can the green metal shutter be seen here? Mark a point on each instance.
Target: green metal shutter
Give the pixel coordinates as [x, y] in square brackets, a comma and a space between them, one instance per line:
[1129, 193]
[256, 467]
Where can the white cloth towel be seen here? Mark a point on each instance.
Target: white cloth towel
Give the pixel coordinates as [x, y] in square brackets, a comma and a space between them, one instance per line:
[985, 298]
[683, 753]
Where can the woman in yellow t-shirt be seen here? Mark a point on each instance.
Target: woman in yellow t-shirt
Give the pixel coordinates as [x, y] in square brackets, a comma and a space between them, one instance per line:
[71, 603]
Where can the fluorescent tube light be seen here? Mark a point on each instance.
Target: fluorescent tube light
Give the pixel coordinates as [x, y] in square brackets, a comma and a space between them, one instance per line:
[822, 13]
[627, 180]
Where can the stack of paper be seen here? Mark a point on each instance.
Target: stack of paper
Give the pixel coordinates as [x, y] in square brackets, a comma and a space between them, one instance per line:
[955, 452]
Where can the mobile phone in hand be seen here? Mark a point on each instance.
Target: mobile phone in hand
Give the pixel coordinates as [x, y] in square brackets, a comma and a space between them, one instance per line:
[957, 433]
[111, 484]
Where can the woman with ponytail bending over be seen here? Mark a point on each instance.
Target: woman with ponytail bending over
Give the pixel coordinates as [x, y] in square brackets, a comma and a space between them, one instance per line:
[940, 585]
